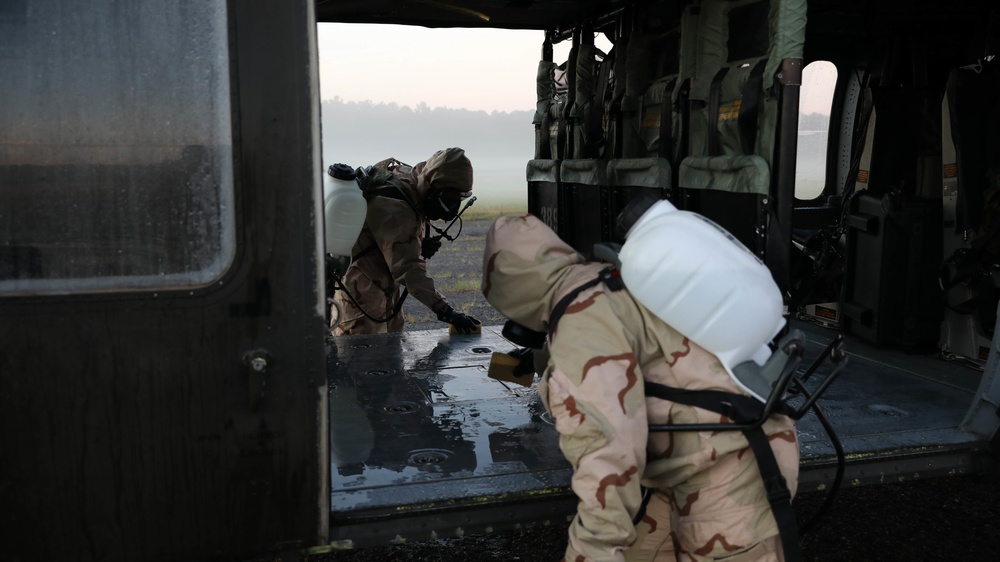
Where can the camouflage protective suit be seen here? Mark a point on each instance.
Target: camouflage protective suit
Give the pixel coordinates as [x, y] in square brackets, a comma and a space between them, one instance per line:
[710, 502]
[387, 254]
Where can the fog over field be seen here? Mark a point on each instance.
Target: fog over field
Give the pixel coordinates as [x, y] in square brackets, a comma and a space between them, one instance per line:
[499, 144]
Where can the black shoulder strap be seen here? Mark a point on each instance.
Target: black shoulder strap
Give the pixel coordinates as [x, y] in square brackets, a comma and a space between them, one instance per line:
[744, 409]
[778, 494]
[609, 276]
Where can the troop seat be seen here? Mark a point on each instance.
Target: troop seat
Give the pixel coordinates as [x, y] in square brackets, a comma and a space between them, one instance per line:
[733, 192]
[545, 200]
[630, 177]
[585, 193]
[586, 116]
[741, 119]
[657, 121]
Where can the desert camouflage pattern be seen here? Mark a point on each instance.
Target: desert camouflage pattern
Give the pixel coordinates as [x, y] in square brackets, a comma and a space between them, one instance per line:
[710, 502]
[387, 253]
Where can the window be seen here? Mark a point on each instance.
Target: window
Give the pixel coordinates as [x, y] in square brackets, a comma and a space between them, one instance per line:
[816, 98]
[115, 146]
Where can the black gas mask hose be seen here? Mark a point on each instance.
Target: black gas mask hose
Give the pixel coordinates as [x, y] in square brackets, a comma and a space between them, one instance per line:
[431, 244]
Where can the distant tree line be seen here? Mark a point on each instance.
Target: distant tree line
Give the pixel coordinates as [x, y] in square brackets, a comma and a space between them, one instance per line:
[366, 132]
[498, 143]
[814, 122]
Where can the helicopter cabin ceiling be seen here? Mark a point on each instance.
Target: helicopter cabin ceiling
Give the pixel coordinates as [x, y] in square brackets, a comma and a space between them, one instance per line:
[833, 21]
[502, 14]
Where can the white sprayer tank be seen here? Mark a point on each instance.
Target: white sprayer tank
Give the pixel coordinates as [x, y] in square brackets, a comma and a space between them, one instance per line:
[704, 283]
[344, 209]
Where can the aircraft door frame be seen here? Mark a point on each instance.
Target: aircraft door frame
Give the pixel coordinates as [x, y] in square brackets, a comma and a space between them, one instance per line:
[168, 423]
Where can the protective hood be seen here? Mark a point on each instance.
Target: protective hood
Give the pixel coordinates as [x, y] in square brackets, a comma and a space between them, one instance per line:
[527, 268]
[449, 169]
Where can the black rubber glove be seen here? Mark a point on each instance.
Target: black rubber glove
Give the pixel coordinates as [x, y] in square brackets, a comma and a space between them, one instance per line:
[429, 247]
[526, 361]
[463, 323]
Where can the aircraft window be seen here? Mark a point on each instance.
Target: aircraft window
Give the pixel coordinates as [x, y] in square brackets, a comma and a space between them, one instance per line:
[560, 51]
[816, 98]
[115, 147]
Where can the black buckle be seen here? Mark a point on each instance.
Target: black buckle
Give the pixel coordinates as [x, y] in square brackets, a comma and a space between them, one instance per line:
[777, 489]
[611, 278]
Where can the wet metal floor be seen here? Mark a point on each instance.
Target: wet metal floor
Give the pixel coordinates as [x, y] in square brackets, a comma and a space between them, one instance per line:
[424, 444]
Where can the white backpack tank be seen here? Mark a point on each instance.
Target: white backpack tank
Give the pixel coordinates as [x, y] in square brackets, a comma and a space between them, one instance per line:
[704, 283]
[344, 212]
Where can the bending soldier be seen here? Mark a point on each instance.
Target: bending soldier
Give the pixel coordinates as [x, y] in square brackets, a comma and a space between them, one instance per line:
[391, 249]
[707, 500]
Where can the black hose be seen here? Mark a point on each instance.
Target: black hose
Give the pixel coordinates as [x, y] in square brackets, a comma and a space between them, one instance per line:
[395, 309]
[838, 477]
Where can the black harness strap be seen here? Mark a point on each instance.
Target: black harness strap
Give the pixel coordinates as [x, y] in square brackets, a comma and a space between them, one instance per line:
[609, 276]
[744, 409]
[545, 138]
[714, 146]
[546, 95]
[561, 136]
[737, 407]
[594, 132]
[750, 107]
[666, 123]
[778, 494]
[566, 121]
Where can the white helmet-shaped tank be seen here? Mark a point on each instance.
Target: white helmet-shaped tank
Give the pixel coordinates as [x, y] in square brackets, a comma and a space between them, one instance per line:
[698, 278]
[344, 210]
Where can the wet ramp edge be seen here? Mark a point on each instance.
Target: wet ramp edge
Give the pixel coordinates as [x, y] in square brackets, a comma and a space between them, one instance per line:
[416, 425]
[897, 416]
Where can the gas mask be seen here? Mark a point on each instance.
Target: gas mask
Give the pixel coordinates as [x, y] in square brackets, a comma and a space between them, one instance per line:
[443, 204]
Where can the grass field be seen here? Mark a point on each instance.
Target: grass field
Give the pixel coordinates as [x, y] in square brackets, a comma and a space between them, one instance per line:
[481, 212]
[457, 271]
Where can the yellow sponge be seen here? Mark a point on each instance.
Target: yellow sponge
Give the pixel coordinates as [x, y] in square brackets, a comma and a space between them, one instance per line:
[477, 330]
[502, 368]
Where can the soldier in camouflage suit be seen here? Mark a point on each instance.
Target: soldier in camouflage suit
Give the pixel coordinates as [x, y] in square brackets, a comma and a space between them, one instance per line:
[391, 250]
[709, 501]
